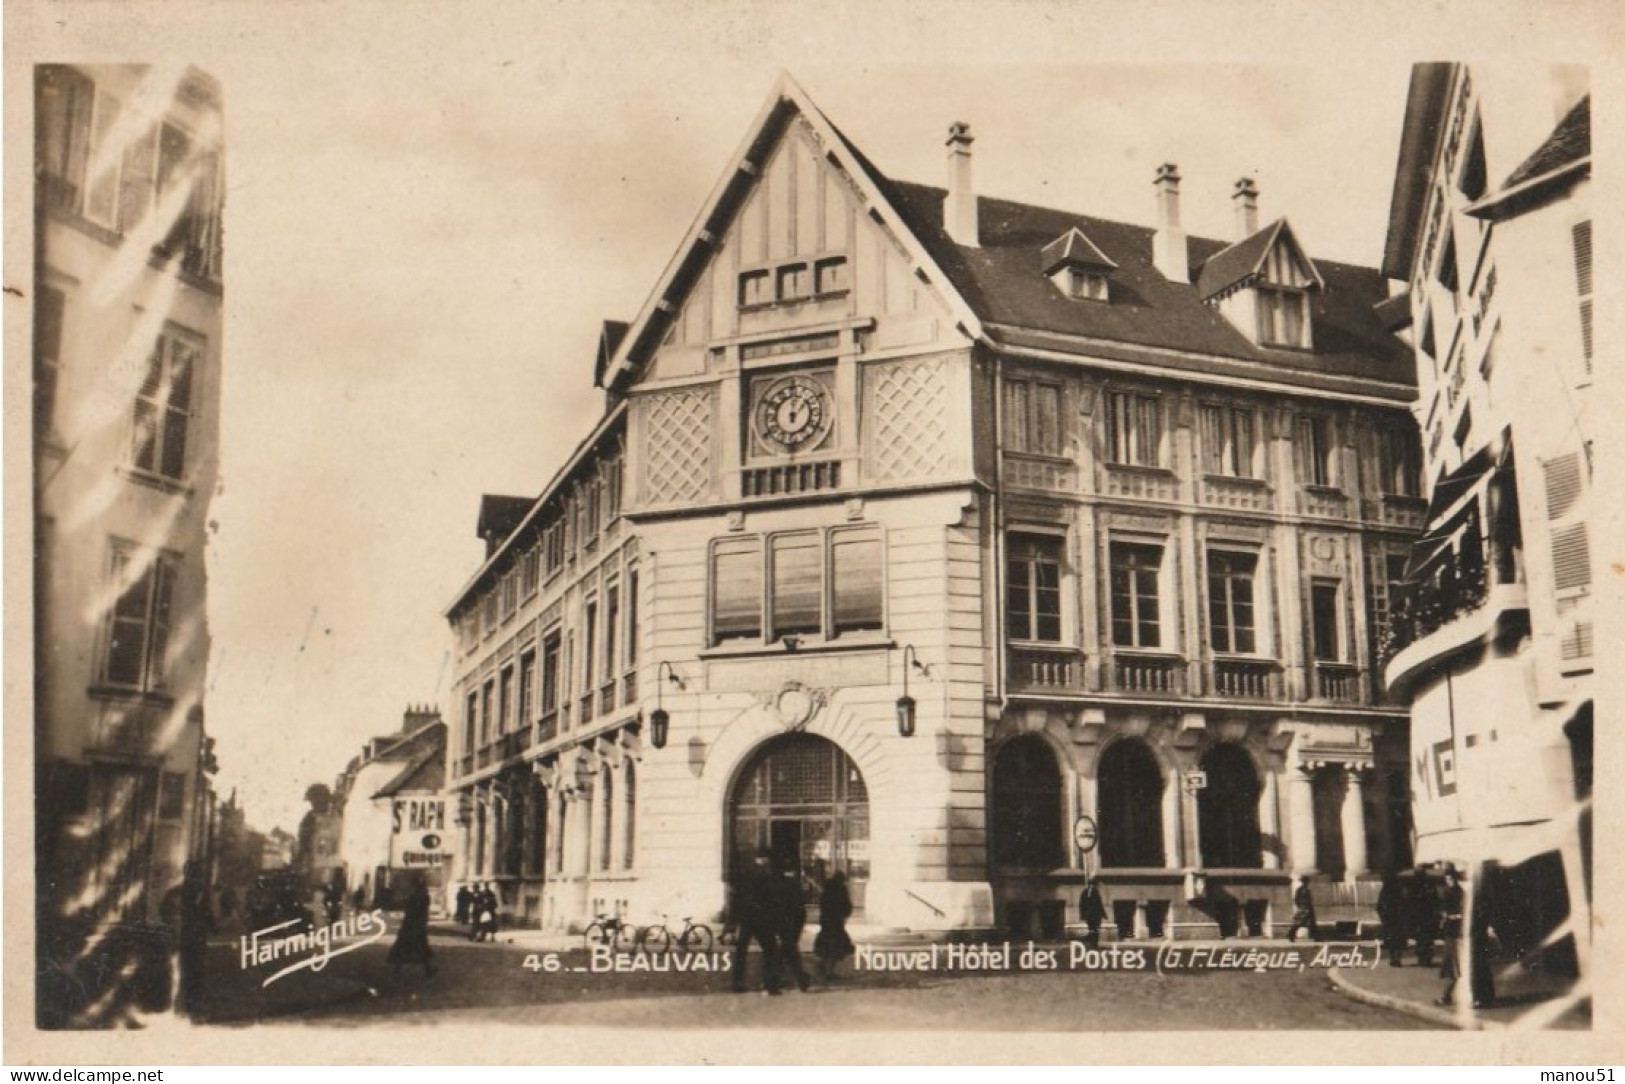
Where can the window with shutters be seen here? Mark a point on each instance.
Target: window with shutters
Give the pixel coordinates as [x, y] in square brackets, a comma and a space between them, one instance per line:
[1582, 281]
[1398, 460]
[1283, 300]
[505, 701]
[138, 624]
[1228, 441]
[1566, 484]
[1033, 588]
[1316, 455]
[48, 307]
[807, 584]
[1133, 429]
[525, 705]
[1032, 417]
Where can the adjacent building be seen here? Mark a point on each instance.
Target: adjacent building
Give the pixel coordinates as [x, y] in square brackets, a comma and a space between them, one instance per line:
[392, 821]
[964, 546]
[126, 374]
[1494, 649]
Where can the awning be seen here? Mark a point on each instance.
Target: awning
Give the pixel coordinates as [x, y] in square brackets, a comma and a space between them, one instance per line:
[1507, 844]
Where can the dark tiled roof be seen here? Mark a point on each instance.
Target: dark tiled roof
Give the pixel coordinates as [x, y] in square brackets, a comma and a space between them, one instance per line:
[426, 772]
[1073, 249]
[1003, 282]
[1229, 266]
[499, 515]
[1569, 142]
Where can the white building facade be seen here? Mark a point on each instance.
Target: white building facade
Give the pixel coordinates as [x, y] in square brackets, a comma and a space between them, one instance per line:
[923, 529]
[1491, 235]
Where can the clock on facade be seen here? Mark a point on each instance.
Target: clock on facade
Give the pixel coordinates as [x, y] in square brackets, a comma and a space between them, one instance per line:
[793, 414]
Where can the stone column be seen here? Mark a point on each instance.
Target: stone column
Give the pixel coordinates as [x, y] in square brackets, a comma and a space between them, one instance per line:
[1353, 823]
[1302, 818]
[1269, 817]
[1173, 812]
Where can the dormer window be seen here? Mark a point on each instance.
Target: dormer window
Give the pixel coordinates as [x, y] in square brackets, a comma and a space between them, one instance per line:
[1087, 285]
[1077, 268]
[1283, 300]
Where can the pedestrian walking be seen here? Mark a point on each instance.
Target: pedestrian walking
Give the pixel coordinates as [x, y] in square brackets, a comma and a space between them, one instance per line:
[1424, 897]
[194, 921]
[1450, 915]
[833, 944]
[1393, 911]
[1303, 914]
[485, 914]
[750, 912]
[789, 919]
[465, 899]
[1092, 909]
[412, 941]
[1482, 944]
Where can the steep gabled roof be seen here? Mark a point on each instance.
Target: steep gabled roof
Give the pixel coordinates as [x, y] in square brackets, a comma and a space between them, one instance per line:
[1073, 249]
[1419, 138]
[425, 772]
[1243, 260]
[1561, 160]
[609, 341]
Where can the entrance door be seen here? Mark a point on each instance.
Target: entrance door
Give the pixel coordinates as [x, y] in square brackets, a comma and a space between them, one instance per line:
[804, 800]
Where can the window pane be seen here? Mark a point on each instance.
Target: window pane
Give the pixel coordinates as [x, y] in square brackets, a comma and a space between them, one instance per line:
[1046, 419]
[798, 586]
[858, 589]
[1015, 414]
[1323, 616]
[1242, 443]
[736, 584]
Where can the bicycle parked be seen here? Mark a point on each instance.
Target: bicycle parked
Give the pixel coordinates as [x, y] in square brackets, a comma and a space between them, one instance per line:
[612, 932]
[694, 937]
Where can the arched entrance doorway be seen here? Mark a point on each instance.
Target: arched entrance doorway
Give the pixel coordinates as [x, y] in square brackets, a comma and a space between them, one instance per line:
[1027, 806]
[1228, 809]
[802, 798]
[1130, 805]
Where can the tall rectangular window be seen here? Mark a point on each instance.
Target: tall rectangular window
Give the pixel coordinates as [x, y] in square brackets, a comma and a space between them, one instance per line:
[1133, 429]
[1033, 588]
[1230, 601]
[1032, 417]
[1582, 280]
[798, 585]
[138, 625]
[471, 719]
[612, 629]
[1398, 458]
[589, 647]
[163, 408]
[550, 674]
[736, 591]
[858, 589]
[631, 619]
[523, 711]
[48, 311]
[1283, 317]
[487, 697]
[65, 101]
[530, 571]
[1323, 621]
[1315, 450]
[1227, 441]
[1136, 570]
[505, 701]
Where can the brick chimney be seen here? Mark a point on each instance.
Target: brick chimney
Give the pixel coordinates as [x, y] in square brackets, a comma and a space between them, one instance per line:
[959, 210]
[1168, 243]
[1245, 199]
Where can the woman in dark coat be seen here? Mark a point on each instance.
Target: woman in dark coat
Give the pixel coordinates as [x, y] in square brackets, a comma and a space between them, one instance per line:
[412, 942]
[1092, 909]
[832, 945]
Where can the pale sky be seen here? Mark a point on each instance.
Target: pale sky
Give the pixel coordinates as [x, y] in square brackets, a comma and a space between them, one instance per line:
[432, 206]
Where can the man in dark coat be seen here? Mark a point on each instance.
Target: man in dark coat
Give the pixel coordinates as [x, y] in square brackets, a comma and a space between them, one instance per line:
[1092, 909]
[195, 922]
[1424, 916]
[464, 899]
[750, 911]
[412, 941]
[833, 944]
[1303, 914]
[789, 918]
[1393, 909]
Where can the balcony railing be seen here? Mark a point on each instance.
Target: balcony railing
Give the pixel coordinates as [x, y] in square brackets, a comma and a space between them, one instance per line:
[1339, 682]
[526, 737]
[629, 687]
[508, 746]
[1058, 669]
[1325, 501]
[1394, 510]
[1040, 472]
[606, 697]
[1151, 675]
[586, 707]
[1145, 483]
[1243, 494]
[466, 764]
[483, 760]
[1246, 679]
[547, 728]
[791, 478]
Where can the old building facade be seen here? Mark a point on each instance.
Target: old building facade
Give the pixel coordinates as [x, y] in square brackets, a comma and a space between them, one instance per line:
[1490, 233]
[937, 539]
[127, 324]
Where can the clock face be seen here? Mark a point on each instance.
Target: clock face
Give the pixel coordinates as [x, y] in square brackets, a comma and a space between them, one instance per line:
[793, 414]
